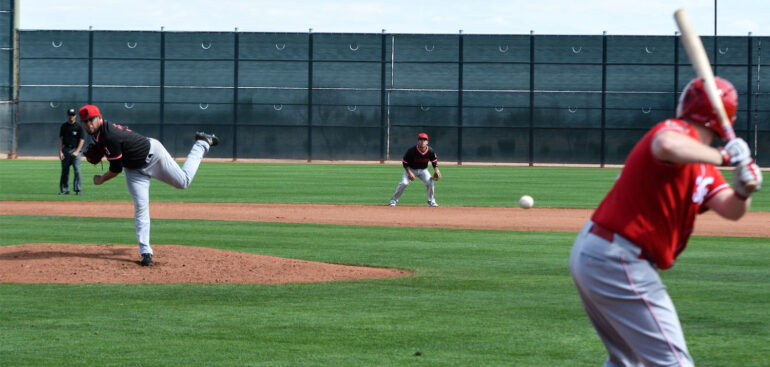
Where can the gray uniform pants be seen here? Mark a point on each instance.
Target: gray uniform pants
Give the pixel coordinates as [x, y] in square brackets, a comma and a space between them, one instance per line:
[627, 303]
[68, 161]
[161, 166]
[422, 174]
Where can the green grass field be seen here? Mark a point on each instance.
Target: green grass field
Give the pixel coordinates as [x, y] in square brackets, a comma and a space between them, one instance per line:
[491, 298]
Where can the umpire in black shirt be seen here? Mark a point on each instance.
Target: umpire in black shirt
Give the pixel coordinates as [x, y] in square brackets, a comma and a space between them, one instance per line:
[71, 139]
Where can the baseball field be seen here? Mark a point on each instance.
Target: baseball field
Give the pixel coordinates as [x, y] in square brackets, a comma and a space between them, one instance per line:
[496, 296]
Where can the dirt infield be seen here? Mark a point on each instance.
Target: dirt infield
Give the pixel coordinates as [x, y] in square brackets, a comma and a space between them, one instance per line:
[754, 224]
[65, 263]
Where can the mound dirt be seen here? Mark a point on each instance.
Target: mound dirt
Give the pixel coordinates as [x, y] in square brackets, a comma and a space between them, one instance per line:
[76, 263]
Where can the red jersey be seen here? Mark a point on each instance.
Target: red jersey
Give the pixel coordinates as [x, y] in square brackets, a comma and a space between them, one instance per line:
[653, 204]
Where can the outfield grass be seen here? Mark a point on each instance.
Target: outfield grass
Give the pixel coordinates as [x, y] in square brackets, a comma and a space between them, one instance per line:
[477, 298]
[491, 298]
[327, 183]
[336, 183]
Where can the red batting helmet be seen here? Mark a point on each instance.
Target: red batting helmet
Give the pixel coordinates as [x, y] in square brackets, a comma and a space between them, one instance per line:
[695, 107]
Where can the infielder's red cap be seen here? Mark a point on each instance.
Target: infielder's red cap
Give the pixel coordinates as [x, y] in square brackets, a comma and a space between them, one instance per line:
[88, 111]
[422, 136]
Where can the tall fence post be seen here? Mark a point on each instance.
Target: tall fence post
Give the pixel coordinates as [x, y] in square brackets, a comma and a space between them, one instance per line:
[90, 64]
[310, 95]
[383, 153]
[460, 102]
[236, 60]
[676, 68]
[162, 116]
[531, 98]
[749, 94]
[603, 144]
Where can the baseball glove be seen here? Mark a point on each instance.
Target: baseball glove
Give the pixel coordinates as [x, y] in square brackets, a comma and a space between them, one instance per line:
[93, 153]
[436, 176]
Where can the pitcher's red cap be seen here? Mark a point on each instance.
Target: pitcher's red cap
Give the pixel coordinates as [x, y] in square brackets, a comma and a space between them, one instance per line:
[422, 136]
[88, 111]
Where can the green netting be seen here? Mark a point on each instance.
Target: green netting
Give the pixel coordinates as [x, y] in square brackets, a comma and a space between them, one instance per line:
[347, 75]
[271, 141]
[279, 74]
[409, 75]
[51, 94]
[476, 95]
[354, 143]
[199, 73]
[641, 50]
[44, 112]
[487, 76]
[53, 72]
[126, 72]
[126, 95]
[271, 96]
[273, 46]
[423, 48]
[347, 47]
[6, 38]
[568, 49]
[53, 44]
[198, 113]
[499, 116]
[487, 49]
[272, 115]
[347, 97]
[566, 145]
[5, 71]
[346, 116]
[127, 45]
[497, 99]
[640, 78]
[200, 45]
[198, 95]
[572, 77]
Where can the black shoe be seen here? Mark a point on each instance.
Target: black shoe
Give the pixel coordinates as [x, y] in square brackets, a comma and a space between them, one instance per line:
[77, 193]
[146, 260]
[64, 193]
[209, 138]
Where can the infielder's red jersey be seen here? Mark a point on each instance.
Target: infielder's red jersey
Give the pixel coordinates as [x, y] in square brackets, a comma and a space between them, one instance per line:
[653, 204]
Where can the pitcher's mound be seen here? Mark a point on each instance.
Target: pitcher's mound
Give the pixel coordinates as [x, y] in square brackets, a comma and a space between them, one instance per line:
[69, 263]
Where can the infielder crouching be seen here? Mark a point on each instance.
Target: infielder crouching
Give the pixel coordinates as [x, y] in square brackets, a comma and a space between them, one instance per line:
[644, 223]
[141, 158]
[416, 165]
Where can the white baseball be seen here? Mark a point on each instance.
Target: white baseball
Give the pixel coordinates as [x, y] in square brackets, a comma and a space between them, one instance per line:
[526, 202]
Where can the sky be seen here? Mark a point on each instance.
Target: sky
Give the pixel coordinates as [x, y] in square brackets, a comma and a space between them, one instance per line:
[584, 17]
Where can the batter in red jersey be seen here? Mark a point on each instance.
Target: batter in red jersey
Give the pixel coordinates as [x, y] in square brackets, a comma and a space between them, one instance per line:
[644, 222]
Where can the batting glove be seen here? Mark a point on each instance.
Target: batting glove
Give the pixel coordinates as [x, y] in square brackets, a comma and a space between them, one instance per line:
[735, 152]
[744, 174]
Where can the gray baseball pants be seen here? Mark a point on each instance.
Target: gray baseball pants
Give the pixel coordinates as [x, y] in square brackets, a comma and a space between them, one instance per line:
[160, 165]
[626, 302]
[422, 174]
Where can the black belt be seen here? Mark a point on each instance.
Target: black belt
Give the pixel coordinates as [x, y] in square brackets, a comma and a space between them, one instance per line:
[609, 236]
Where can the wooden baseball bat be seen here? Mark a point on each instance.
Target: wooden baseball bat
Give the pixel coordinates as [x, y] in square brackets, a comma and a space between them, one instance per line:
[700, 62]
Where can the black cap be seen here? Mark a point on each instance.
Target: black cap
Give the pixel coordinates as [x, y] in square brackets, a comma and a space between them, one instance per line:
[71, 112]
